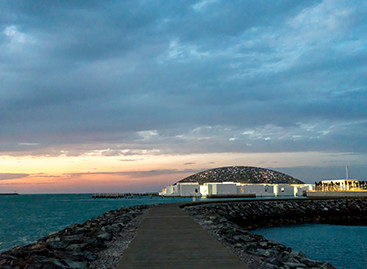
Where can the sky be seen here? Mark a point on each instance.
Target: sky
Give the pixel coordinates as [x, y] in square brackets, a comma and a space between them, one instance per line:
[122, 96]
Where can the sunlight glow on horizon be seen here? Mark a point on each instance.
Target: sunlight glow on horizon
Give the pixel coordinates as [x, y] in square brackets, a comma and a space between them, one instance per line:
[89, 173]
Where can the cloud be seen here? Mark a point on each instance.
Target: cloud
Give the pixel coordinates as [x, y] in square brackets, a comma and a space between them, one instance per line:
[9, 176]
[137, 173]
[131, 78]
[130, 160]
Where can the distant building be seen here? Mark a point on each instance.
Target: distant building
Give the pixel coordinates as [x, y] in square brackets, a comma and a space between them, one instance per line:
[182, 190]
[235, 189]
[338, 185]
[339, 188]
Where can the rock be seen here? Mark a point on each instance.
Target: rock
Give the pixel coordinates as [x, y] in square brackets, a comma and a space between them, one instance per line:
[92, 243]
[58, 263]
[117, 227]
[310, 263]
[6, 267]
[271, 266]
[294, 265]
[72, 255]
[77, 247]
[36, 246]
[75, 264]
[326, 266]
[17, 252]
[90, 256]
[104, 236]
[33, 266]
[76, 238]
[107, 229]
[8, 257]
[295, 253]
[236, 237]
[274, 261]
[41, 252]
[50, 239]
[80, 230]
[59, 244]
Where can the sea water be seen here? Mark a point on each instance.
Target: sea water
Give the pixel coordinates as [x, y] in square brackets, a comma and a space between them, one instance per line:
[342, 246]
[25, 218]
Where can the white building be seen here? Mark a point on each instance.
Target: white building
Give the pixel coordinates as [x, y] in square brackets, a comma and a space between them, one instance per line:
[189, 189]
[220, 189]
[283, 190]
[260, 190]
[301, 189]
[225, 188]
[171, 190]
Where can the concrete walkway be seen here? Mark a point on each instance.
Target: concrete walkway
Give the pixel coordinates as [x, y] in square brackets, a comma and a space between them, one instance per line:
[169, 238]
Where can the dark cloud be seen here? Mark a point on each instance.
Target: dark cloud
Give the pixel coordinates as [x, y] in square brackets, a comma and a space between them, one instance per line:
[7, 176]
[182, 77]
[130, 160]
[137, 174]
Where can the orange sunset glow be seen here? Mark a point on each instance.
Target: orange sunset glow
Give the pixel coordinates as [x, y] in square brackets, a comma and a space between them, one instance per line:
[95, 173]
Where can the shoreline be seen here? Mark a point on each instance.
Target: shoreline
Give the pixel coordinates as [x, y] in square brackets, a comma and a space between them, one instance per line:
[232, 223]
[97, 243]
[100, 242]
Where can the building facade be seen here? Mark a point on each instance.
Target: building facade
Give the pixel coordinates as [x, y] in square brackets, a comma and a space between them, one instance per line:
[233, 189]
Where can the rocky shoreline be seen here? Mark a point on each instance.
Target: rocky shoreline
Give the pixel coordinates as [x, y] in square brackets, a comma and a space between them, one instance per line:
[100, 242]
[232, 223]
[97, 243]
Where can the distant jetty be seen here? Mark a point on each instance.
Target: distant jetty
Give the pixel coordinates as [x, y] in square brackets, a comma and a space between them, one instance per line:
[123, 195]
[9, 193]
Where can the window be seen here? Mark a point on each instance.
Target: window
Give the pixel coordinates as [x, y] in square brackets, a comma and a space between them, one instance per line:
[196, 190]
[282, 189]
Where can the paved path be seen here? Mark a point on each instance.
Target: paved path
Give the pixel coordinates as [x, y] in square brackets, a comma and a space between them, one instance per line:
[169, 238]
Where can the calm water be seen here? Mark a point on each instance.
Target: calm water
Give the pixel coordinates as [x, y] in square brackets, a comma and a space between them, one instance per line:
[342, 246]
[25, 218]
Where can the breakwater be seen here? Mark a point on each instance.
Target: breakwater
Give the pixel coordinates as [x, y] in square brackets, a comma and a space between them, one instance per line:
[232, 223]
[26, 218]
[79, 245]
[99, 242]
[123, 195]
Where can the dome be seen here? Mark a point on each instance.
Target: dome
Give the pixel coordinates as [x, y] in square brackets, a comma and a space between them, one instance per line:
[241, 174]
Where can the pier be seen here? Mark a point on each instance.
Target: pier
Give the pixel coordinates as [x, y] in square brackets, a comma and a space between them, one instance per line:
[122, 195]
[169, 238]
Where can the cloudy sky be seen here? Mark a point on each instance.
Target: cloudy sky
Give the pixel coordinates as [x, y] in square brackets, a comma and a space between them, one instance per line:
[134, 95]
